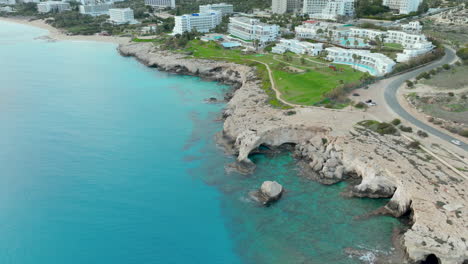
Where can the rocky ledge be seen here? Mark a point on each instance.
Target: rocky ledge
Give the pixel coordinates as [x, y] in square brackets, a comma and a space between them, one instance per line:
[331, 147]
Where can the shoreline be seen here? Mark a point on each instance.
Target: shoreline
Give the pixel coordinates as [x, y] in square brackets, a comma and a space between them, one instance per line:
[332, 146]
[57, 34]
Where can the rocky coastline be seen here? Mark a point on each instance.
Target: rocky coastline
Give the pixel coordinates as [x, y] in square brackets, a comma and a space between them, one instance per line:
[331, 147]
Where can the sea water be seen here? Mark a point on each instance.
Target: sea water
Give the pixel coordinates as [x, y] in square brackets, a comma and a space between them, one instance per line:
[104, 160]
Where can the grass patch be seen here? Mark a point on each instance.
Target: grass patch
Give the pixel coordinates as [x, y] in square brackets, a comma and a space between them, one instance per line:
[143, 40]
[395, 46]
[306, 88]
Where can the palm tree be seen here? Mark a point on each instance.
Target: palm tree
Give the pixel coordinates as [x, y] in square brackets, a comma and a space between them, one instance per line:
[356, 42]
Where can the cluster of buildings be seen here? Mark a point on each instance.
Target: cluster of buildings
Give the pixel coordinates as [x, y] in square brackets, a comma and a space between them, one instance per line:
[332, 9]
[161, 4]
[208, 18]
[49, 6]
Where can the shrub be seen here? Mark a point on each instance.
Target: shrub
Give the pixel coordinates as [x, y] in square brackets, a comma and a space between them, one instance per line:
[396, 122]
[446, 67]
[414, 145]
[406, 129]
[430, 119]
[451, 94]
[360, 105]
[386, 128]
[463, 96]
[409, 83]
[463, 132]
[422, 134]
[290, 113]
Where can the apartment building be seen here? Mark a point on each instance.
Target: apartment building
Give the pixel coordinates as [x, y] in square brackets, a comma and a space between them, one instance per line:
[336, 8]
[413, 26]
[313, 29]
[314, 6]
[46, 7]
[201, 22]
[374, 63]
[120, 16]
[286, 6]
[225, 9]
[249, 29]
[96, 9]
[298, 47]
[161, 3]
[403, 6]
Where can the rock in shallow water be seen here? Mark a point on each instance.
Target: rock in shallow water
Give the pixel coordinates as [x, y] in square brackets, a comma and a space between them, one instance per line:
[269, 192]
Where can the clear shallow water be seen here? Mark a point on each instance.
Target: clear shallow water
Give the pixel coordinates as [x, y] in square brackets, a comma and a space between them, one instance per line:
[106, 161]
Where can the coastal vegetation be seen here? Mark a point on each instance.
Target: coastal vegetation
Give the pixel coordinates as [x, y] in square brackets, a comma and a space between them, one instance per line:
[299, 79]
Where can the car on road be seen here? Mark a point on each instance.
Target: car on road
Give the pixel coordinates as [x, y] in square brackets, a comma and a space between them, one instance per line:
[456, 142]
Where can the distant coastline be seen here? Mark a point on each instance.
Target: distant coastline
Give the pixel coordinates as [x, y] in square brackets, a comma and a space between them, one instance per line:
[57, 34]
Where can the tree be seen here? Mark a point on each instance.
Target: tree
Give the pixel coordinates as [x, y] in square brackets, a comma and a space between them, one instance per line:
[356, 42]
[303, 61]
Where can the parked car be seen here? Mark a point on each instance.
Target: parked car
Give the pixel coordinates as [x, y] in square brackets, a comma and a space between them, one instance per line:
[456, 142]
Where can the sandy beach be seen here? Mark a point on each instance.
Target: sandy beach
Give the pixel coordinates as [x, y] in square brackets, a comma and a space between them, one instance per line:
[57, 34]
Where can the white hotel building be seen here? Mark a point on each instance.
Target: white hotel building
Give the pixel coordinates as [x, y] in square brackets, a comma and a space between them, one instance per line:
[161, 3]
[225, 9]
[285, 6]
[249, 29]
[403, 6]
[96, 9]
[120, 16]
[414, 44]
[375, 63]
[298, 47]
[202, 22]
[46, 7]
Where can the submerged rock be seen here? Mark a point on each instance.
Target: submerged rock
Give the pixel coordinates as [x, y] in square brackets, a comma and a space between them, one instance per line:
[269, 192]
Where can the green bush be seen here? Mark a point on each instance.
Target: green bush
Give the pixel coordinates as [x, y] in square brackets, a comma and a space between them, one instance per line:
[463, 132]
[446, 67]
[414, 145]
[422, 134]
[396, 122]
[406, 129]
[360, 105]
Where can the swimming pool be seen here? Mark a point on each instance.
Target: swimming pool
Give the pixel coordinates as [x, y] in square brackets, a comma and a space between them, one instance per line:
[351, 42]
[360, 67]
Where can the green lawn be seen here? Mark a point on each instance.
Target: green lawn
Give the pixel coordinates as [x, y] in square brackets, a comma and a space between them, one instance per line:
[306, 88]
[395, 46]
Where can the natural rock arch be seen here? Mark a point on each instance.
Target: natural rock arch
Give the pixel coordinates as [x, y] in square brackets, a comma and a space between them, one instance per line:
[431, 259]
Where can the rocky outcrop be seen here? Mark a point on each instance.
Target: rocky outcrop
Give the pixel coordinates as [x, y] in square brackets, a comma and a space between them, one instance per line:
[269, 192]
[332, 148]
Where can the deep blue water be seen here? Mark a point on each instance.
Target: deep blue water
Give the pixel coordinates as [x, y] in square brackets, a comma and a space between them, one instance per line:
[106, 161]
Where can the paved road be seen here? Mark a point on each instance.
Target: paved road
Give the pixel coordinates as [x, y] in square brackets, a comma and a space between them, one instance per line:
[390, 95]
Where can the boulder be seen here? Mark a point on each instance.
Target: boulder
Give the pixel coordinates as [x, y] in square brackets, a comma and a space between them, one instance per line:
[269, 192]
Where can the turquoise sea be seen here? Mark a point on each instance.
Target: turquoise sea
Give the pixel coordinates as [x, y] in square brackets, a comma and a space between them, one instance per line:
[104, 160]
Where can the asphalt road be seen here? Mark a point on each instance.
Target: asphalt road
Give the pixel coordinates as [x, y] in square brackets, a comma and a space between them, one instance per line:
[390, 95]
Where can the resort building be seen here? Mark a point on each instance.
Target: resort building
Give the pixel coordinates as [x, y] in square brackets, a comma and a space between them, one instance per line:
[120, 16]
[161, 3]
[57, 6]
[298, 47]
[314, 6]
[336, 8]
[365, 33]
[96, 9]
[406, 39]
[31, 1]
[249, 29]
[285, 6]
[312, 29]
[201, 22]
[7, 9]
[7, 2]
[403, 6]
[374, 63]
[413, 26]
[225, 9]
